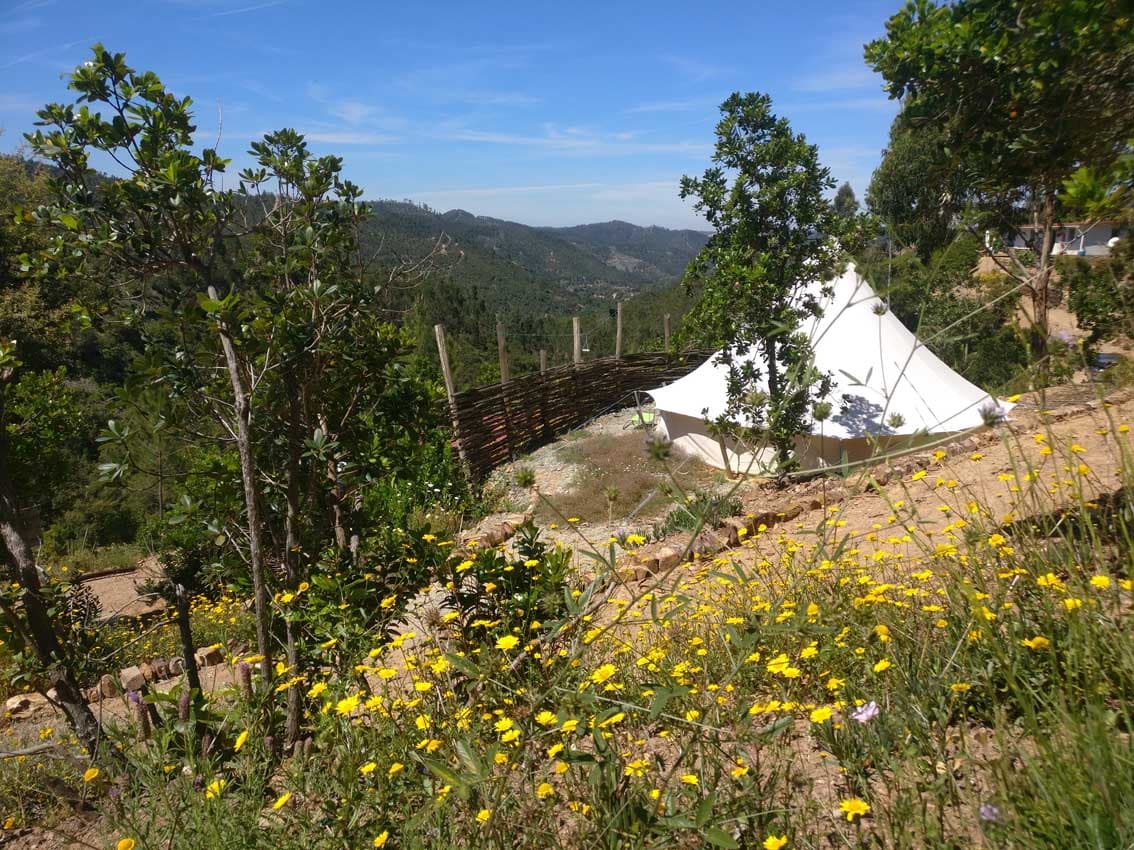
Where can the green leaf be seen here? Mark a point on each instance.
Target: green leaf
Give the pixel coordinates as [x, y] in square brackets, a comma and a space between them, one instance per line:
[719, 838]
[463, 664]
[705, 809]
[209, 305]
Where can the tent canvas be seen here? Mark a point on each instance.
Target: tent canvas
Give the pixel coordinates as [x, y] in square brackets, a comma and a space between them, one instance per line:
[889, 391]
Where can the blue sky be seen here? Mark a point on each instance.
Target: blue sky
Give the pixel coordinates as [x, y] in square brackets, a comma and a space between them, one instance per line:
[545, 113]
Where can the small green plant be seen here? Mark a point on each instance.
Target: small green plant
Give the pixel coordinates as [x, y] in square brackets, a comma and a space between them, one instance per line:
[494, 594]
[705, 510]
[525, 477]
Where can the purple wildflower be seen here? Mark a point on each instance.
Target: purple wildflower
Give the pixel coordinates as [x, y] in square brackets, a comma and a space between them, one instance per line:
[990, 813]
[866, 713]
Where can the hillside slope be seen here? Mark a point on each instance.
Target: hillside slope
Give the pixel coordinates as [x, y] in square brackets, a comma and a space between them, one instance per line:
[653, 251]
[532, 271]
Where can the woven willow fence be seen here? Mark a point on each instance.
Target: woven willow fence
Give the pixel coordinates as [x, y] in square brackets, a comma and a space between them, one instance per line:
[495, 423]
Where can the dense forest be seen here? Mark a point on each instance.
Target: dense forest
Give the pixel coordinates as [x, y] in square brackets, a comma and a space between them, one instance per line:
[533, 280]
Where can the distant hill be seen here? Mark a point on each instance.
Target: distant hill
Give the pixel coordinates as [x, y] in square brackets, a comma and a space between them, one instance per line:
[538, 270]
[651, 251]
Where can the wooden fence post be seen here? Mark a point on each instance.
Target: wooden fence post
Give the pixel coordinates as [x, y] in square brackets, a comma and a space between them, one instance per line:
[545, 426]
[502, 350]
[505, 379]
[618, 333]
[578, 355]
[451, 393]
[665, 324]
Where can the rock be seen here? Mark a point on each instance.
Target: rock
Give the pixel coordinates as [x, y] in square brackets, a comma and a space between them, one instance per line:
[132, 678]
[210, 656]
[668, 558]
[791, 512]
[733, 526]
[707, 543]
[647, 566]
[764, 518]
[107, 686]
[25, 704]
[17, 704]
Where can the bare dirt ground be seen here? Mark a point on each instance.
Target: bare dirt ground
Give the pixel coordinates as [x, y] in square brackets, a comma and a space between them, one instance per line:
[1036, 463]
[604, 476]
[119, 594]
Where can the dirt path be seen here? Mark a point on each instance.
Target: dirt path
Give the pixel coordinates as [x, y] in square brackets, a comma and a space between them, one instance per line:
[1032, 466]
[118, 594]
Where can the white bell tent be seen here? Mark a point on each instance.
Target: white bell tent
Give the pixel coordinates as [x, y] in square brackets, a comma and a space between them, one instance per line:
[889, 392]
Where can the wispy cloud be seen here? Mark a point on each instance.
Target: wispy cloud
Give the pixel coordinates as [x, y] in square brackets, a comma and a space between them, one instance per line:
[492, 191]
[349, 137]
[873, 103]
[11, 103]
[693, 69]
[496, 98]
[690, 105]
[259, 89]
[462, 82]
[842, 78]
[353, 111]
[576, 140]
[44, 52]
[30, 6]
[224, 13]
[12, 27]
[568, 203]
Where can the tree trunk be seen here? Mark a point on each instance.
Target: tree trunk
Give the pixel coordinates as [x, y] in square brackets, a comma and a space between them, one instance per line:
[1042, 285]
[292, 554]
[338, 522]
[776, 401]
[188, 645]
[40, 628]
[243, 407]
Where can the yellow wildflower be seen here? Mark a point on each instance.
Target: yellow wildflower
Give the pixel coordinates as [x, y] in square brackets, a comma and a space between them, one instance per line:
[854, 808]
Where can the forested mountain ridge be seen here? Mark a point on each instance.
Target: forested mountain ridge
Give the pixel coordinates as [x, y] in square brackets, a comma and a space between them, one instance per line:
[653, 251]
[528, 270]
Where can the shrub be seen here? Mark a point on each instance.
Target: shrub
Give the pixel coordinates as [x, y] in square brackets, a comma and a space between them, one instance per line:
[700, 510]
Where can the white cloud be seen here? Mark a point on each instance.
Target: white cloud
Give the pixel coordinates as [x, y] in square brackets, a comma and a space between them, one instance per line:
[577, 140]
[353, 111]
[255, 7]
[675, 105]
[350, 137]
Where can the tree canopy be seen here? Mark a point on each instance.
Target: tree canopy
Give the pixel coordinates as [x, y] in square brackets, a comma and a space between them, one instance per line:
[775, 232]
